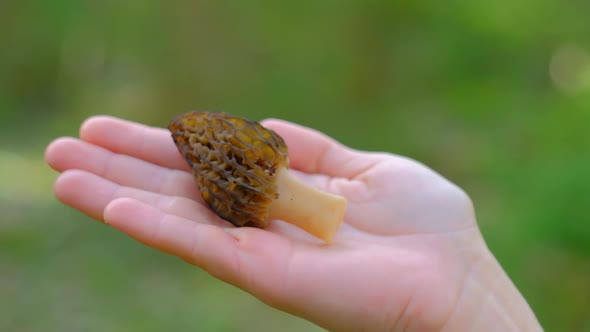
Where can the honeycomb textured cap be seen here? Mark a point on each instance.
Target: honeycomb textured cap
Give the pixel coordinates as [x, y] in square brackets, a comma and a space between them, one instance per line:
[234, 162]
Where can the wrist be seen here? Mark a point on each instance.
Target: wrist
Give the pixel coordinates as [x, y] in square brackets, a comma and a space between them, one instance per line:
[491, 302]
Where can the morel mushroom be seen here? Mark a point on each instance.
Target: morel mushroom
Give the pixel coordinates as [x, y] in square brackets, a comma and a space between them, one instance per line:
[240, 168]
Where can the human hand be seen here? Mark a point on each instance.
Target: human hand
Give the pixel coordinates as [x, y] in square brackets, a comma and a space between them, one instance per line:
[408, 256]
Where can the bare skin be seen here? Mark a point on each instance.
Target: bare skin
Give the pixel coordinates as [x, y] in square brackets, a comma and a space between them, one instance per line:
[408, 257]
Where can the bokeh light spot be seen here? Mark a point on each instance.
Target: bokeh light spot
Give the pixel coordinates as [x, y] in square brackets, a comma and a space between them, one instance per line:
[569, 69]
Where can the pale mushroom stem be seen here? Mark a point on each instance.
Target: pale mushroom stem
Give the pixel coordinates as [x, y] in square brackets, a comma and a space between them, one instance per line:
[316, 212]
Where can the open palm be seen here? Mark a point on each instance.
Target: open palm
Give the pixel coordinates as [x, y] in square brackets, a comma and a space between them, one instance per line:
[399, 261]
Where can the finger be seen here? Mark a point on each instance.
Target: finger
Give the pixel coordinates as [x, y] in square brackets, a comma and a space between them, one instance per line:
[207, 246]
[313, 152]
[249, 258]
[154, 145]
[69, 153]
[91, 194]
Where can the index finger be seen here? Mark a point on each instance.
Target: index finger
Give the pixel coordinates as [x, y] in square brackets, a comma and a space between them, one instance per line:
[151, 144]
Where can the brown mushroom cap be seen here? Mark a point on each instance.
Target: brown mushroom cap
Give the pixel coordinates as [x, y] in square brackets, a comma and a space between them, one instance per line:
[240, 166]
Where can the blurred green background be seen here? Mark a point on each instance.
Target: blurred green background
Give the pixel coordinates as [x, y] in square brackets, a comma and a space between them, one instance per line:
[494, 95]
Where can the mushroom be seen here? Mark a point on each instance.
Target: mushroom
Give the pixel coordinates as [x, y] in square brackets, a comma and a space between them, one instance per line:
[241, 170]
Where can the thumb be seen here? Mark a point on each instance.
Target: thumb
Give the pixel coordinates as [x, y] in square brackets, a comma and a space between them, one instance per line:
[313, 152]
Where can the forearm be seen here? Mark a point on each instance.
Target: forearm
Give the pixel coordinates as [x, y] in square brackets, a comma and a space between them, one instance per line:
[491, 302]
